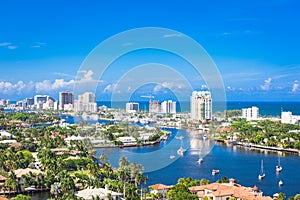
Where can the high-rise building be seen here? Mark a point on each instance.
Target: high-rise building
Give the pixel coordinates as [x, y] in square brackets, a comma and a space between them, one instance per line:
[250, 113]
[40, 99]
[154, 107]
[66, 99]
[86, 103]
[168, 107]
[45, 102]
[201, 105]
[132, 107]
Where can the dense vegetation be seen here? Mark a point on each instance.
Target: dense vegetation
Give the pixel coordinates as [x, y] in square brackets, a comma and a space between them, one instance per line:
[266, 132]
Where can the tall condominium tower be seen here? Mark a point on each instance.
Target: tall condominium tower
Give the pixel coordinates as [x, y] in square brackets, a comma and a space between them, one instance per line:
[201, 105]
[65, 98]
[86, 103]
[132, 107]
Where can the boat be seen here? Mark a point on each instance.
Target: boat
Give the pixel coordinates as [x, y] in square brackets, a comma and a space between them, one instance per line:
[262, 174]
[181, 151]
[280, 183]
[200, 160]
[204, 137]
[278, 167]
[215, 171]
[172, 157]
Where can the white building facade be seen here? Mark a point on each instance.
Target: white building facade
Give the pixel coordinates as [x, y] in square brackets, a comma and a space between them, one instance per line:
[168, 107]
[132, 107]
[250, 113]
[86, 103]
[201, 105]
[288, 118]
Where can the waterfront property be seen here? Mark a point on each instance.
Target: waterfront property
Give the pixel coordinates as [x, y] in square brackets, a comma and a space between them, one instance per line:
[159, 188]
[225, 191]
[127, 141]
[101, 193]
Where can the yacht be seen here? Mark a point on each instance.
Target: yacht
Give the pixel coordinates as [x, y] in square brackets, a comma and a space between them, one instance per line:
[215, 171]
[278, 167]
[280, 183]
[262, 174]
[181, 151]
[200, 160]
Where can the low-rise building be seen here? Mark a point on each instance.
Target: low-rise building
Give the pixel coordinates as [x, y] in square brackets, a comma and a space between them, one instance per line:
[289, 118]
[101, 193]
[159, 188]
[225, 191]
[127, 141]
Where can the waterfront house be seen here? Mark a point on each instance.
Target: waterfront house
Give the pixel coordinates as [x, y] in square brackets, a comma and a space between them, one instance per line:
[20, 172]
[101, 193]
[225, 191]
[127, 141]
[5, 134]
[159, 188]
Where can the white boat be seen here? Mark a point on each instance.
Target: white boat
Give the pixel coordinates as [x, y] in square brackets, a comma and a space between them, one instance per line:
[172, 157]
[215, 171]
[278, 167]
[200, 160]
[280, 183]
[181, 151]
[204, 137]
[262, 174]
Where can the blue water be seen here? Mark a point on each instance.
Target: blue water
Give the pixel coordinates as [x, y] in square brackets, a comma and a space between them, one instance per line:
[265, 108]
[232, 161]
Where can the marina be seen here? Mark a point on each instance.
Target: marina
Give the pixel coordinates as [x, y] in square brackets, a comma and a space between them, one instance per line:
[236, 162]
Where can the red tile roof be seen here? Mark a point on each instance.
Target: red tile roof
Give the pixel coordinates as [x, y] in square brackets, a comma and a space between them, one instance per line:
[225, 189]
[160, 187]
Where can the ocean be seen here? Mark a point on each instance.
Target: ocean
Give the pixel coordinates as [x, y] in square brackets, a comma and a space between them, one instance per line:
[265, 108]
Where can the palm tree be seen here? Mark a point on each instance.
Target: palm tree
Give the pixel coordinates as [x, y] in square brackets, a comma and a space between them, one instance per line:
[123, 162]
[11, 182]
[103, 157]
[56, 189]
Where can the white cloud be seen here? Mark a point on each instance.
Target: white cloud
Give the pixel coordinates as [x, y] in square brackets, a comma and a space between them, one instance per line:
[266, 85]
[172, 35]
[11, 47]
[229, 88]
[110, 88]
[4, 44]
[10, 88]
[295, 86]
[86, 77]
[170, 85]
[48, 86]
[127, 44]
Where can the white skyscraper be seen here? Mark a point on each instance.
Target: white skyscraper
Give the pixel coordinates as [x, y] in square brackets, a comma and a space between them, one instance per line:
[86, 103]
[201, 105]
[250, 113]
[168, 107]
[132, 107]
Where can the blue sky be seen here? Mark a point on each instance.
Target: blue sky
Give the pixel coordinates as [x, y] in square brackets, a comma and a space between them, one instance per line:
[255, 44]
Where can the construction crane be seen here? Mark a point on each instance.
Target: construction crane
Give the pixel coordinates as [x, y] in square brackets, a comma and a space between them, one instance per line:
[150, 97]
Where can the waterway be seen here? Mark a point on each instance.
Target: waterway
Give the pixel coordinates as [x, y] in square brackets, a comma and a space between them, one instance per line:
[243, 164]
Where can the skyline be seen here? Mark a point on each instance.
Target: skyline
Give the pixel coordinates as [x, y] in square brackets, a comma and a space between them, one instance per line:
[254, 45]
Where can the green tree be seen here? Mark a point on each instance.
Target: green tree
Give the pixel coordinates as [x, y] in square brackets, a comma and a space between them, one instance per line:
[21, 197]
